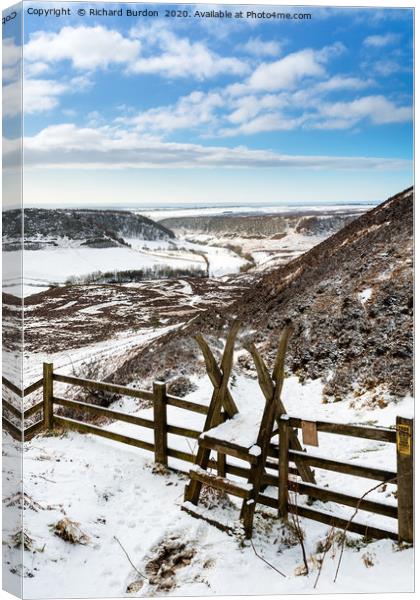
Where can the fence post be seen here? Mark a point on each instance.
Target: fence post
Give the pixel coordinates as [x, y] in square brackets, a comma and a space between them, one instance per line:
[284, 437]
[221, 458]
[405, 478]
[160, 420]
[48, 370]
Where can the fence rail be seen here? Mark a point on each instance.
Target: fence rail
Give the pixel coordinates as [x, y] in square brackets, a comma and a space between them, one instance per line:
[381, 434]
[280, 464]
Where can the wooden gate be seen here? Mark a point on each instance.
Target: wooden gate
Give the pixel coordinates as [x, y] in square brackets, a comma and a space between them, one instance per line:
[281, 470]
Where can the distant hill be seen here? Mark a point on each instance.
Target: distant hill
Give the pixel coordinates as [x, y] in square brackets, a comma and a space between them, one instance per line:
[91, 228]
[308, 223]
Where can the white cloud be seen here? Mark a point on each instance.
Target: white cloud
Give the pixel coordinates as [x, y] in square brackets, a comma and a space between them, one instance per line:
[39, 95]
[300, 110]
[248, 107]
[286, 72]
[333, 124]
[151, 49]
[42, 94]
[12, 99]
[68, 146]
[12, 55]
[289, 71]
[12, 155]
[87, 48]
[202, 109]
[380, 41]
[339, 82]
[11, 52]
[172, 56]
[258, 47]
[386, 67]
[69, 112]
[189, 112]
[378, 109]
[218, 113]
[265, 122]
[35, 69]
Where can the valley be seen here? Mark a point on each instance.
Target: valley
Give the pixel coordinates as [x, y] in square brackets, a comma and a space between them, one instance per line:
[349, 299]
[102, 286]
[64, 247]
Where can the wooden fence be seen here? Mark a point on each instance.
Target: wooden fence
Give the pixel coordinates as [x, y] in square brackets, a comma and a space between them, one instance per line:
[280, 462]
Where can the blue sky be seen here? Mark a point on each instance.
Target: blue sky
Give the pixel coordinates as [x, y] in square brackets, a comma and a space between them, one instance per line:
[123, 110]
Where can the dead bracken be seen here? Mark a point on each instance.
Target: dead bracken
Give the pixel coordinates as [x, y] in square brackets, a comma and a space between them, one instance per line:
[168, 557]
[70, 531]
[22, 538]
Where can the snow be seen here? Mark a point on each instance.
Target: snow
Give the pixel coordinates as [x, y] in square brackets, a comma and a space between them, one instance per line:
[54, 266]
[243, 428]
[365, 296]
[159, 214]
[67, 305]
[115, 491]
[66, 363]
[112, 491]
[255, 450]
[266, 252]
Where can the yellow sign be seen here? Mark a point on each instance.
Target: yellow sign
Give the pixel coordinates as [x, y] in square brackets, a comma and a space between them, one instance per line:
[404, 439]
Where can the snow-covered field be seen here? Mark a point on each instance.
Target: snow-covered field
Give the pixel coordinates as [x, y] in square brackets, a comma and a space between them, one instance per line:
[222, 261]
[158, 214]
[119, 497]
[266, 252]
[54, 266]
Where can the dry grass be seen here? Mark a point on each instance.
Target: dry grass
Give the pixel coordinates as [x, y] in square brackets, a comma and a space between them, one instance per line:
[70, 531]
[168, 557]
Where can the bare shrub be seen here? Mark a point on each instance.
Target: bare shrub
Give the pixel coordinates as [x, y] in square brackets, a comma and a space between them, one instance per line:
[181, 386]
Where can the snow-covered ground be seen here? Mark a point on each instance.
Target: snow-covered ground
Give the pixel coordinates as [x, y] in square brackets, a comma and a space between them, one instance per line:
[222, 261]
[158, 214]
[118, 496]
[70, 259]
[108, 352]
[55, 266]
[265, 252]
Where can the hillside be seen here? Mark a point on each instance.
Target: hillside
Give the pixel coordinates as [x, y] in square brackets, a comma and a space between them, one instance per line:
[308, 223]
[89, 228]
[350, 300]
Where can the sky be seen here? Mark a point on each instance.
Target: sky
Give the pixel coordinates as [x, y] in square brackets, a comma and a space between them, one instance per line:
[135, 110]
